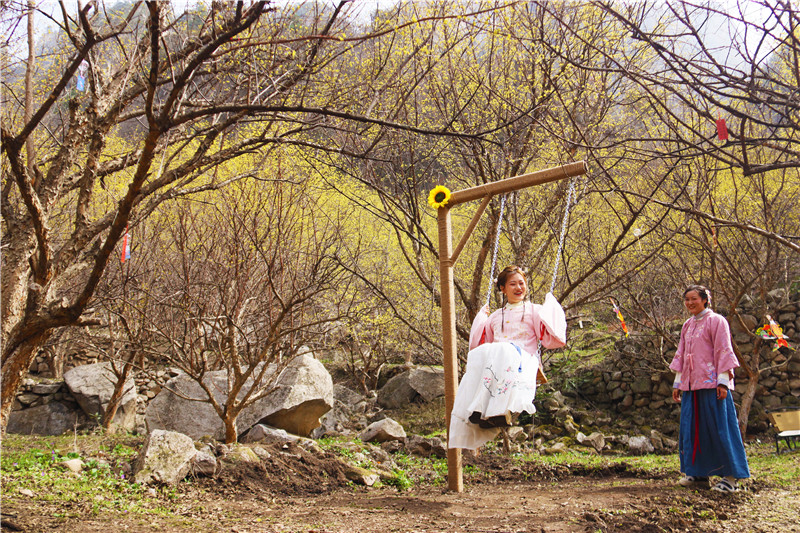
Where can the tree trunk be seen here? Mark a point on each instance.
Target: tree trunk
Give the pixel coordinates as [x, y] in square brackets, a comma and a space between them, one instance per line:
[231, 433]
[14, 368]
[751, 368]
[116, 396]
[747, 402]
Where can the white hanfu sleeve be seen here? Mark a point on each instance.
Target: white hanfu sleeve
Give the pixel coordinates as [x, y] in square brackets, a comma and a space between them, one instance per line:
[553, 334]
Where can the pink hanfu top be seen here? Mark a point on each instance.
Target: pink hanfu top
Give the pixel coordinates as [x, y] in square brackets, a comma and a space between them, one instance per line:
[704, 352]
[523, 324]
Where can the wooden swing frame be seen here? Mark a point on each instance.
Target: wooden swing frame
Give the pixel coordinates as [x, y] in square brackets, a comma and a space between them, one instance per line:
[447, 260]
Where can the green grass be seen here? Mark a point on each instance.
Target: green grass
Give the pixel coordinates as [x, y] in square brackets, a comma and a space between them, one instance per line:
[778, 470]
[29, 463]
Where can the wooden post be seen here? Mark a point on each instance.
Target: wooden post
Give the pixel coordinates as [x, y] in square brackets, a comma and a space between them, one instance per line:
[455, 477]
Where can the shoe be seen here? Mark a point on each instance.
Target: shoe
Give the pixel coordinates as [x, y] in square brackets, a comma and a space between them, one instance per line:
[694, 482]
[499, 421]
[726, 486]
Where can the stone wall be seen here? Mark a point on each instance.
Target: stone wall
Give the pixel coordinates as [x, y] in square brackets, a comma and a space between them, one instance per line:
[634, 378]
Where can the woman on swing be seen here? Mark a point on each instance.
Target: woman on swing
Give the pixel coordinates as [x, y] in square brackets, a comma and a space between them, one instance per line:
[504, 361]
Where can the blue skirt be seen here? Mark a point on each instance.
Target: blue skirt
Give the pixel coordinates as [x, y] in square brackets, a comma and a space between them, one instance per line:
[710, 443]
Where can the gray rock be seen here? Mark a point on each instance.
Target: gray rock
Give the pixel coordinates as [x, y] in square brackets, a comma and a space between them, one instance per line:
[556, 448]
[361, 476]
[243, 454]
[54, 418]
[640, 445]
[657, 440]
[347, 396]
[383, 430]
[397, 392]
[203, 464]
[266, 434]
[28, 398]
[775, 297]
[641, 385]
[425, 384]
[261, 453]
[303, 392]
[665, 388]
[557, 396]
[425, 447]
[47, 388]
[92, 387]
[333, 422]
[517, 434]
[165, 458]
[428, 382]
[595, 440]
[550, 405]
[73, 465]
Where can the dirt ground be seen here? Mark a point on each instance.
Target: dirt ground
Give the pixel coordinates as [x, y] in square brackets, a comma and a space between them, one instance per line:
[296, 491]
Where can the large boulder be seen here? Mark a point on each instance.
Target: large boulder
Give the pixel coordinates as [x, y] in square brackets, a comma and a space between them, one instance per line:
[52, 418]
[418, 384]
[92, 387]
[302, 393]
[165, 458]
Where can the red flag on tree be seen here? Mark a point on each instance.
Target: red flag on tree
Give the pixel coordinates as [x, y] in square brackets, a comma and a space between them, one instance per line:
[722, 129]
[126, 246]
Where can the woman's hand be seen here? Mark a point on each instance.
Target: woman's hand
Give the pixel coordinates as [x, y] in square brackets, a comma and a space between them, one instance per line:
[722, 392]
[676, 395]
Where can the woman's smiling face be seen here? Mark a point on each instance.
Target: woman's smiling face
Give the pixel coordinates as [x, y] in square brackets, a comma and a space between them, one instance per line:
[515, 288]
[693, 302]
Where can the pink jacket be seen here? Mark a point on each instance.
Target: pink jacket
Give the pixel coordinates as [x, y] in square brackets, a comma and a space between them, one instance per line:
[524, 328]
[705, 353]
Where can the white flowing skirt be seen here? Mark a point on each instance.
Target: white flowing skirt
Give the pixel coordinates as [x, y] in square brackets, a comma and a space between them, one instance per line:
[500, 378]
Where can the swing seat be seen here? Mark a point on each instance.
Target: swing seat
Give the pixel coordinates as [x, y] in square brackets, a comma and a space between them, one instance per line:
[541, 379]
[786, 421]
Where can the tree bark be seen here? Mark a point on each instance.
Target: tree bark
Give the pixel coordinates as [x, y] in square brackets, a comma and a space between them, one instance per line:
[15, 367]
[751, 368]
[231, 431]
[116, 396]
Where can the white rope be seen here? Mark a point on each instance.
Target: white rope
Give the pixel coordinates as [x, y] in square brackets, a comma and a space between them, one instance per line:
[563, 234]
[494, 254]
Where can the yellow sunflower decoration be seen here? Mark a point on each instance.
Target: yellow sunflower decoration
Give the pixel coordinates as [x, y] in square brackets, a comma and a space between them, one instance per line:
[439, 196]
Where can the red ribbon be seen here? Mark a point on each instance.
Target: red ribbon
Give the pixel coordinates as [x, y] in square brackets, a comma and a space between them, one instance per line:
[696, 426]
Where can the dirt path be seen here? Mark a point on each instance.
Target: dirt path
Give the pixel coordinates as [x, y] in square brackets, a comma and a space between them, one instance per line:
[575, 504]
[297, 491]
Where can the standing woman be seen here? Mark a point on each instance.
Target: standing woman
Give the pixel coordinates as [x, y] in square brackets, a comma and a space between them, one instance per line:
[504, 362]
[710, 443]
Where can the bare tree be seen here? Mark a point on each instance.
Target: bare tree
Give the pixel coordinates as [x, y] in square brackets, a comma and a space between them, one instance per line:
[253, 279]
[717, 89]
[169, 98]
[512, 73]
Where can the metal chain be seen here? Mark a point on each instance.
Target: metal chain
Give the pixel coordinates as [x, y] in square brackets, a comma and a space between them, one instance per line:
[563, 234]
[494, 254]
